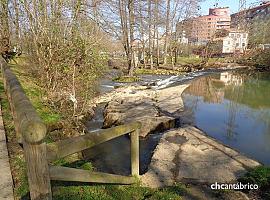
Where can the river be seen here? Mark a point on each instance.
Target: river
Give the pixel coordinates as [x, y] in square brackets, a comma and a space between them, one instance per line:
[232, 107]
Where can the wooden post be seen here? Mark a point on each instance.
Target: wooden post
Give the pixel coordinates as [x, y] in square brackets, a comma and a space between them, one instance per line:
[31, 131]
[35, 154]
[134, 151]
[37, 171]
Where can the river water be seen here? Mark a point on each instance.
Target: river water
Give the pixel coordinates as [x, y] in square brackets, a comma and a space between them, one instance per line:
[234, 108]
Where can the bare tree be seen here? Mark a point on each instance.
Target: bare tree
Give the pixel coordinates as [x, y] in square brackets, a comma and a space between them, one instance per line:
[167, 29]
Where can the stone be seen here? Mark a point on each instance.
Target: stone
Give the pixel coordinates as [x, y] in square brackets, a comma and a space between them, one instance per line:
[188, 155]
[156, 110]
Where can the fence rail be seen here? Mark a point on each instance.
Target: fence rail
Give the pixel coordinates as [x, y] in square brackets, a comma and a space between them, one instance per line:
[31, 131]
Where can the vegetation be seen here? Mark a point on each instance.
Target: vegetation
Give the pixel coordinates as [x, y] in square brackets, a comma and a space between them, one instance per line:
[260, 176]
[115, 192]
[259, 32]
[158, 72]
[258, 58]
[126, 79]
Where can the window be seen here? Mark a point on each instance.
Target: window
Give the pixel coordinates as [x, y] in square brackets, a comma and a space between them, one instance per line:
[237, 44]
[229, 42]
[232, 34]
[244, 35]
[243, 44]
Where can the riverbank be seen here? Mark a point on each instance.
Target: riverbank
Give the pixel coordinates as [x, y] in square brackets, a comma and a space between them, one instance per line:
[161, 102]
[120, 106]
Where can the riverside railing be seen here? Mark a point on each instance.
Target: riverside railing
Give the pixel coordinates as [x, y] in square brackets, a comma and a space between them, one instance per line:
[31, 131]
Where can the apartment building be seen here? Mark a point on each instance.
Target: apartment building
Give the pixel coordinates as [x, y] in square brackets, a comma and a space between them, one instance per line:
[204, 27]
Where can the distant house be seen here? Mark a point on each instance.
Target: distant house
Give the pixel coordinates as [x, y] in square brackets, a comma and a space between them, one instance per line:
[235, 42]
[182, 39]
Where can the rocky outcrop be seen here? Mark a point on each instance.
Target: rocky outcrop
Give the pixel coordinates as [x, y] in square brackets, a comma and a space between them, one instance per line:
[156, 110]
[189, 155]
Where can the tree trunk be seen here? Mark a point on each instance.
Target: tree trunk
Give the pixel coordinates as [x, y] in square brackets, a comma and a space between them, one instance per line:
[167, 31]
[149, 33]
[124, 28]
[157, 33]
[131, 37]
[17, 24]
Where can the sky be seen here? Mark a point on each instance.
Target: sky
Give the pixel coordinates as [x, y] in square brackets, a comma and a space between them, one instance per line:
[233, 4]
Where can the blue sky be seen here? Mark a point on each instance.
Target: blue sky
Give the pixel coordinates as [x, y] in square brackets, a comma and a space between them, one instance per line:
[233, 4]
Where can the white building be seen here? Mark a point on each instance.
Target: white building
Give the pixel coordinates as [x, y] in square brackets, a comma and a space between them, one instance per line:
[231, 79]
[235, 42]
[183, 38]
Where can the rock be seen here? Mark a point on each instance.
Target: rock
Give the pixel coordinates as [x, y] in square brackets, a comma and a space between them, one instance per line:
[189, 155]
[156, 110]
[169, 100]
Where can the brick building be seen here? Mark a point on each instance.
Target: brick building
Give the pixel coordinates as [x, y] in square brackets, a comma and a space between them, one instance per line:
[201, 29]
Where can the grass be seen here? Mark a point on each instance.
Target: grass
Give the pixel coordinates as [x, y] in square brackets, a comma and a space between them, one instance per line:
[117, 192]
[189, 60]
[66, 190]
[48, 115]
[36, 95]
[126, 79]
[158, 72]
[260, 176]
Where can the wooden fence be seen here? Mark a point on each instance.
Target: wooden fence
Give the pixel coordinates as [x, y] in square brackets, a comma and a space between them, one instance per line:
[31, 131]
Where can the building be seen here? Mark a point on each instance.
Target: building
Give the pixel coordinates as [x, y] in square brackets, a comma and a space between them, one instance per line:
[182, 38]
[235, 42]
[244, 18]
[228, 78]
[201, 29]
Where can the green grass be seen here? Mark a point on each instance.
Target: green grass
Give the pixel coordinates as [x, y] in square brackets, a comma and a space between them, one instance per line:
[64, 190]
[189, 60]
[126, 79]
[117, 192]
[36, 96]
[158, 72]
[260, 176]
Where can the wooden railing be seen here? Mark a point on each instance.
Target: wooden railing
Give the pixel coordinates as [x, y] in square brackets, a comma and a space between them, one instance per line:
[31, 131]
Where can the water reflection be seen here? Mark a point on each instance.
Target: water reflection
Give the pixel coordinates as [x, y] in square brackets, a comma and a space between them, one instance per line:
[234, 107]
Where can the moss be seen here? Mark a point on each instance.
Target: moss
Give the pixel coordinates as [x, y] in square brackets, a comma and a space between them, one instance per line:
[158, 72]
[126, 79]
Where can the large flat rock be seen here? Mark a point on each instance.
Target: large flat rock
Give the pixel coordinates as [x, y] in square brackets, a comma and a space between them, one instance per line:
[189, 155]
[157, 110]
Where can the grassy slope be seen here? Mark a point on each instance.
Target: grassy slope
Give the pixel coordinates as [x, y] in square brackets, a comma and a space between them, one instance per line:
[62, 190]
